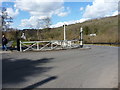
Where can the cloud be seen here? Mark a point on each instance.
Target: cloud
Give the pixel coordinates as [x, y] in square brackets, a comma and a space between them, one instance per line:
[81, 9]
[7, 0]
[101, 8]
[115, 13]
[59, 24]
[62, 14]
[33, 22]
[29, 23]
[62, 11]
[40, 9]
[11, 12]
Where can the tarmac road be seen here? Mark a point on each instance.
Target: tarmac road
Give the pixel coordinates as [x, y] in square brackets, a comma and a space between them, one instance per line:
[92, 68]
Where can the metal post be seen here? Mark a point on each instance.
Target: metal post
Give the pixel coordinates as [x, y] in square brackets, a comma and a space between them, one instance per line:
[81, 37]
[20, 46]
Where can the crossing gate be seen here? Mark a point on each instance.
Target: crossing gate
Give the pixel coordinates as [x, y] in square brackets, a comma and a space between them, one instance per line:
[48, 45]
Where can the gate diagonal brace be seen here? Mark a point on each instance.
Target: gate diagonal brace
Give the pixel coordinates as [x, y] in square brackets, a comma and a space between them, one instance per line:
[45, 46]
[29, 47]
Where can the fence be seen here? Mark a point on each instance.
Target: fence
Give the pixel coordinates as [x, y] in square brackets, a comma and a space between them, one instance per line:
[48, 45]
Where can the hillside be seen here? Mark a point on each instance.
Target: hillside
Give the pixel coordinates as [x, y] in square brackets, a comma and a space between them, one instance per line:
[105, 28]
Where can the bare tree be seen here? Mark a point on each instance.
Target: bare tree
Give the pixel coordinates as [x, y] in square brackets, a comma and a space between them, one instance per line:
[38, 26]
[5, 19]
[46, 22]
[43, 23]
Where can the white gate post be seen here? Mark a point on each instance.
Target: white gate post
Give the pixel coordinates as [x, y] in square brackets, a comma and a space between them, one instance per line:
[81, 37]
[64, 41]
[64, 33]
[51, 45]
[37, 46]
[20, 46]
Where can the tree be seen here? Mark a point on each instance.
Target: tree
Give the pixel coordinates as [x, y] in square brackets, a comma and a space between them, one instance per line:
[86, 30]
[5, 19]
[46, 22]
[43, 23]
[38, 26]
[96, 30]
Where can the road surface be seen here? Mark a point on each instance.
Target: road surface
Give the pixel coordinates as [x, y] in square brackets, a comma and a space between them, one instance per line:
[92, 68]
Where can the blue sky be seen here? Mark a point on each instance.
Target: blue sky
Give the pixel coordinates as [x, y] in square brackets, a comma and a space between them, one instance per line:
[75, 12]
[26, 13]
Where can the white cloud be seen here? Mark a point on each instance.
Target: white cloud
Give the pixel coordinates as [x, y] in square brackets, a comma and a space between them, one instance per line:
[69, 22]
[62, 11]
[41, 9]
[11, 12]
[111, 1]
[81, 9]
[115, 13]
[7, 0]
[100, 8]
[82, 20]
[29, 23]
[62, 14]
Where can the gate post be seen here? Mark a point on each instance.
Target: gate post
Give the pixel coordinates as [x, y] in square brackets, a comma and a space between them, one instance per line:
[81, 37]
[37, 46]
[20, 46]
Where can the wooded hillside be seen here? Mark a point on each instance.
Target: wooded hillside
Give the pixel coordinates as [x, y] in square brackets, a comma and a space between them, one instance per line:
[105, 28]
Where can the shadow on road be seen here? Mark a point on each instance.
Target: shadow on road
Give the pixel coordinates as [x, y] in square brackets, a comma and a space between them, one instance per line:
[31, 87]
[15, 71]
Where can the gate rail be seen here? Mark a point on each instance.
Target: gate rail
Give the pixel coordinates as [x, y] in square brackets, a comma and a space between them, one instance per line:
[48, 45]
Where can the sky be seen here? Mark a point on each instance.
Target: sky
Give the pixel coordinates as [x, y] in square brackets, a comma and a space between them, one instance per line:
[26, 13]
